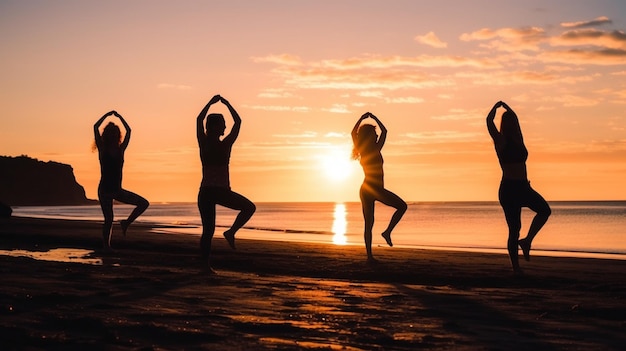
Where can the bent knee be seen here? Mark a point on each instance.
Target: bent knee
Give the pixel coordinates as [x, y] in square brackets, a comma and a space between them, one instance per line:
[144, 203]
[251, 208]
[403, 207]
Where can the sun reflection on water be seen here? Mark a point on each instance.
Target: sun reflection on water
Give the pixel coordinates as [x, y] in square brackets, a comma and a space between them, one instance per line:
[340, 225]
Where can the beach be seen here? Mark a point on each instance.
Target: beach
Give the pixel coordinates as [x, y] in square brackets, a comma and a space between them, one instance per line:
[152, 294]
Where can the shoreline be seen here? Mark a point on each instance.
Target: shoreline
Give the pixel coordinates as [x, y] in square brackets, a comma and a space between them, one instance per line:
[271, 295]
[264, 234]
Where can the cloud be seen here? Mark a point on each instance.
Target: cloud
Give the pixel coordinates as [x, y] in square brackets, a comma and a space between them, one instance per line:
[591, 37]
[373, 72]
[275, 94]
[502, 57]
[603, 57]
[279, 108]
[372, 94]
[173, 86]
[386, 62]
[405, 100]
[394, 100]
[431, 39]
[338, 108]
[321, 78]
[508, 39]
[444, 136]
[336, 135]
[521, 77]
[581, 24]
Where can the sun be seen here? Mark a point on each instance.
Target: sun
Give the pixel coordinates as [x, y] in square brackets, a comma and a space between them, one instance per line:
[337, 164]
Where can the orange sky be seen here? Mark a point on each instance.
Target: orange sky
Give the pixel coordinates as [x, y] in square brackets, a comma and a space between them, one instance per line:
[300, 73]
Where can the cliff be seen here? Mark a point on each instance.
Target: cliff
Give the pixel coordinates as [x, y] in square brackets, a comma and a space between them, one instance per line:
[26, 181]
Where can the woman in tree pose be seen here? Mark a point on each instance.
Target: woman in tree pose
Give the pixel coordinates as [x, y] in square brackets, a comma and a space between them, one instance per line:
[367, 149]
[111, 148]
[515, 191]
[215, 186]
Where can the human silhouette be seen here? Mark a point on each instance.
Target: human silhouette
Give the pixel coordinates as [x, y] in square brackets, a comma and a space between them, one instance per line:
[111, 148]
[515, 191]
[367, 149]
[215, 186]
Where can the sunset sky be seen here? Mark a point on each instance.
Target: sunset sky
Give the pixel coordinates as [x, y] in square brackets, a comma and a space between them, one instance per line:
[300, 73]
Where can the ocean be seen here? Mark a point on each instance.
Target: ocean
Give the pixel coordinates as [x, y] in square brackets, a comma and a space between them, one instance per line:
[575, 229]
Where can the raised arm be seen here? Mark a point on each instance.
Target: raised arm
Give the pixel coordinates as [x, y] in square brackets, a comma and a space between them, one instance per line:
[234, 131]
[383, 132]
[96, 127]
[200, 133]
[355, 129]
[491, 126]
[126, 140]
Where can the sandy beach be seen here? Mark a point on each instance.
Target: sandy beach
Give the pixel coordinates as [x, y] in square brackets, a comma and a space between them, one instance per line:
[152, 295]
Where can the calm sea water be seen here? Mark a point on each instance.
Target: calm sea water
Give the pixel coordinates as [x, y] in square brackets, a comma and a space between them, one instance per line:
[594, 228]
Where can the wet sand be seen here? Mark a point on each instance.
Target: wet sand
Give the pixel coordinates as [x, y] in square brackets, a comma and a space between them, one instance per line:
[152, 295]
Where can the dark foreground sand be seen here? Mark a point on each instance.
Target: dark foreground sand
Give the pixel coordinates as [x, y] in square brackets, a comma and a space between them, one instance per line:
[152, 295]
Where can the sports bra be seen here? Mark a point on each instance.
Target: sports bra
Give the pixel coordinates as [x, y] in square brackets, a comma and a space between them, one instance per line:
[111, 170]
[512, 153]
[215, 157]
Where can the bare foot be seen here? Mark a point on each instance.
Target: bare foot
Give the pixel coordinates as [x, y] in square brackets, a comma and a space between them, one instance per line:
[124, 224]
[371, 260]
[387, 237]
[518, 272]
[230, 237]
[525, 245]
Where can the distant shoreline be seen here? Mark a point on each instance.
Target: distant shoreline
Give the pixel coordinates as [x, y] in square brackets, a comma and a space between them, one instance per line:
[249, 233]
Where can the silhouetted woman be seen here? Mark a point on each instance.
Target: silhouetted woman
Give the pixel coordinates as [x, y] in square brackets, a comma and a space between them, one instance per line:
[111, 149]
[215, 186]
[367, 146]
[515, 191]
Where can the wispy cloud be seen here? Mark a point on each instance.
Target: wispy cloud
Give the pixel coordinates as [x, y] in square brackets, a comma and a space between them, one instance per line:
[282, 59]
[338, 108]
[431, 39]
[315, 78]
[396, 61]
[275, 94]
[279, 108]
[581, 24]
[591, 37]
[603, 57]
[530, 55]
[521, 77]
[444, 136]
[508, 39]
[336, 135]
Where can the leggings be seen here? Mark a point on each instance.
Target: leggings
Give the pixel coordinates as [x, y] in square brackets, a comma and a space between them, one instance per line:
[208, 198]
[122, 195]
[515, 194]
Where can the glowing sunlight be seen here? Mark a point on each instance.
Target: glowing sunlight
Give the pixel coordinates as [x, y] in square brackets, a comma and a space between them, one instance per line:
[337, 164]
